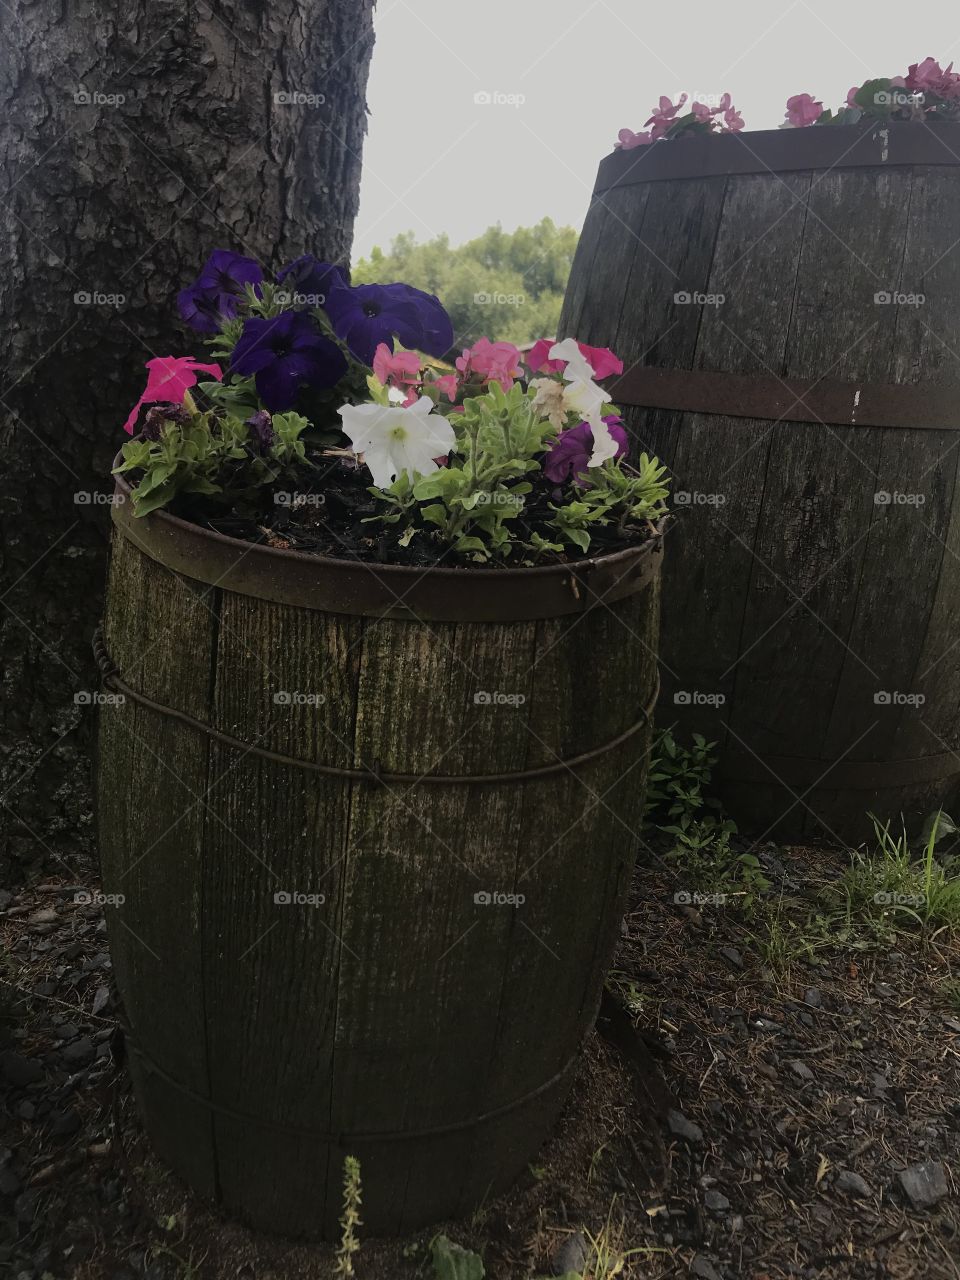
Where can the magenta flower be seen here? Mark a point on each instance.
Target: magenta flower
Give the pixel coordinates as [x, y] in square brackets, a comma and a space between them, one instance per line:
[601, 359]
[664, 115]
[570, 454]
[702, 112]
[803, 110]
[493, 361]
[627, 139]
[169, 378]
[929, 77]
[732, 121]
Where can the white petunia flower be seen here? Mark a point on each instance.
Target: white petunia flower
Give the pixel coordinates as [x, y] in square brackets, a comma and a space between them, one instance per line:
[587, 399]
[393, 439]
[578, 367]
[604, 445]
[582, 395]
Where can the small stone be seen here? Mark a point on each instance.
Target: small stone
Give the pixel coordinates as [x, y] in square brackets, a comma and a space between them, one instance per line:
[801, 1070]
[45, 916]
[79, 1052]
[18, 1070]
[681, 1127]
[812, 997]
[26, 1110]
[733, 955]
[25, 1206]
[852, 1183]
[716, 1202]
[925, 1183]
[571, 1256]
[704, 1268]
[68, 1031]
[63, 1123]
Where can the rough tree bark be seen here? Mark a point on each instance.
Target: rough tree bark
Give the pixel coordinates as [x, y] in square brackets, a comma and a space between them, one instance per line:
[133, 139]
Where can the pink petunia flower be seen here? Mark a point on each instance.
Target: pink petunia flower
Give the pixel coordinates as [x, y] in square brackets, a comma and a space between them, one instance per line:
[627, 139]
[399, 369]
[803, 110]
[493, 361]
[449, 384]
[169, 378]
[702, 112]
[732, 121]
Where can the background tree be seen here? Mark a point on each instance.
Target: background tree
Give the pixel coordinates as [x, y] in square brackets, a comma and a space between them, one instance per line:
[506, 285]
[133, 139]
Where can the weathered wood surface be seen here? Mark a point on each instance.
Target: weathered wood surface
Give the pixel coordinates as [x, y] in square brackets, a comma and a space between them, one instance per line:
[399, 1003]
[792, 594]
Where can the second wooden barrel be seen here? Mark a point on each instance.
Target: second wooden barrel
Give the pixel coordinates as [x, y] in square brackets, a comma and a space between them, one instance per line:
[786, 305]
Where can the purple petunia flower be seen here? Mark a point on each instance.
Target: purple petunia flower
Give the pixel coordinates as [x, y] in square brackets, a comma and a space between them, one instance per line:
[308, 278]
[367, 314]
[570, 453]
[261, 430]
[283, 353]
[218, 290]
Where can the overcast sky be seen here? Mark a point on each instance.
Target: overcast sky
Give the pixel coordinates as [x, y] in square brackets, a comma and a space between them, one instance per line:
[565, 77]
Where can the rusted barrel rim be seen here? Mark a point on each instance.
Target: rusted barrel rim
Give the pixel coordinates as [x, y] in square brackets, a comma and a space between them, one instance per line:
[772, 151]
[376, 590]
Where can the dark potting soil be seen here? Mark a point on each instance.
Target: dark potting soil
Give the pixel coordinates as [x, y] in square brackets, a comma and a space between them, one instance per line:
[326, 515]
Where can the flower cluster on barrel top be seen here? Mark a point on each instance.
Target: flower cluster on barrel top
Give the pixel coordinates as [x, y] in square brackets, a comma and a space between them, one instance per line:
[924, 93]
[334, 411]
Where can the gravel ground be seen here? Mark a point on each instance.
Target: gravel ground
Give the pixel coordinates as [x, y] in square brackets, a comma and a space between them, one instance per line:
[730, 1120]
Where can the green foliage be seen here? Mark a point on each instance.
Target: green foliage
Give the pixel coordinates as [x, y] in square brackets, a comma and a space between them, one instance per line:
[903, 887]
[678, 802]
[510, 283]
[612, 496]
[679, 776]
[477, 502]
[349, 1218]
[453, 1262]
[210, 456]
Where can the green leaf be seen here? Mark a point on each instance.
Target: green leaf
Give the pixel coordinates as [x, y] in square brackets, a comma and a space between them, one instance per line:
[453, 1262]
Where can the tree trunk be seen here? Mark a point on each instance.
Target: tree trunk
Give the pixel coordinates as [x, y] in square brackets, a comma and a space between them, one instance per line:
[135, 139]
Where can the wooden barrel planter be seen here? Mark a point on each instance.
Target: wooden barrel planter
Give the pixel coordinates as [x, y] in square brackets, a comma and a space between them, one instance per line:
[327, 790]
[786, 305]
